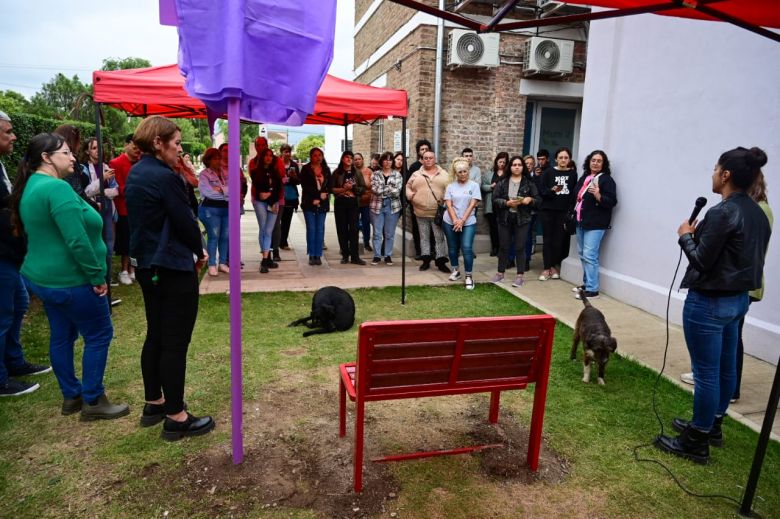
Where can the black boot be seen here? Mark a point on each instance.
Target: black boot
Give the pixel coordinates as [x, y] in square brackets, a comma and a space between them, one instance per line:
[493, 252]
[276, 255]
[426, 262]
[691, 444]
[441, 263]
[264, 266]
[715, 435]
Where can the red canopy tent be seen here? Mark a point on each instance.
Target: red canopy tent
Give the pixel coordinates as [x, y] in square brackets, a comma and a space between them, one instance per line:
[160, 91]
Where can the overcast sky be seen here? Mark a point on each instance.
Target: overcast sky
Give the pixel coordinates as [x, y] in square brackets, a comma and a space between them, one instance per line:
[43, 37]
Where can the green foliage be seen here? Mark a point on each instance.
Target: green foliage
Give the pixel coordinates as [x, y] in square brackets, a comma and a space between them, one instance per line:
[58, 97]
[125, 63]
[305, 145]
[27, 126]
[11, 101]
[248, 133]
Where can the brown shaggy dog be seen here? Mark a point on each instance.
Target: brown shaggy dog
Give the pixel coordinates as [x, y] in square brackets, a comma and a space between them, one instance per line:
[596, 337]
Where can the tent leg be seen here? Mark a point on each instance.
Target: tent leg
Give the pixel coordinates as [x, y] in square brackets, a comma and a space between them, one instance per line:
[234, 226]
[99, 173]
[403, 217]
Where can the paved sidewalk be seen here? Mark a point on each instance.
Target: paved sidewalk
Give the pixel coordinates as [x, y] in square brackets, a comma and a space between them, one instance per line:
[641, 336]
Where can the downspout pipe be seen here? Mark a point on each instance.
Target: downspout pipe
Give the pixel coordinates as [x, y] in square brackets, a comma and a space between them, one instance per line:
[438, 82]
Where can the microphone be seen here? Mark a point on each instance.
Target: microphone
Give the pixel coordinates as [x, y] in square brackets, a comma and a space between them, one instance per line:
[700, 202]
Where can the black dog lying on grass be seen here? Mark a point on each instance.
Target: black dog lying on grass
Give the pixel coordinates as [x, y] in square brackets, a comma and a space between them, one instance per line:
[332, 309]
[596, 337]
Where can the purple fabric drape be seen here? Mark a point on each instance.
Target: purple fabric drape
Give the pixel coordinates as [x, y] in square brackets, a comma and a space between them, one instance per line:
[272, 54]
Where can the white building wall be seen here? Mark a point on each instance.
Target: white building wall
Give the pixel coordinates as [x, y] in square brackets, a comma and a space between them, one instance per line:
[664, 97]
[334, 136]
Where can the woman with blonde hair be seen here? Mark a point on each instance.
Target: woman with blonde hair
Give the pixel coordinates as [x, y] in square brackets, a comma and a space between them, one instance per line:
[460, 222]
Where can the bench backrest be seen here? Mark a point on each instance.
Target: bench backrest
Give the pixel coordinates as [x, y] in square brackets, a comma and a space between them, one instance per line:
[404, 359]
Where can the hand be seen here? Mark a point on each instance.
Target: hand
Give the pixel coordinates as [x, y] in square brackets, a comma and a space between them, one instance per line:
[323, 196]
[557, 188]
[527, 200]
[315, 202]
[201, 261]
[493, 185]
[264, 196]
[686, 227]
[108, 174]
[100, 290]
[594, 190]
[274, 208]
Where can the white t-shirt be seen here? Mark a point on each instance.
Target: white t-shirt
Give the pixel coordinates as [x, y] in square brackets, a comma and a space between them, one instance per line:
[461, 196]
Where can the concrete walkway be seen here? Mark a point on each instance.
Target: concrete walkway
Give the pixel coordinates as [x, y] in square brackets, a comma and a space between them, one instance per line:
[641, 336]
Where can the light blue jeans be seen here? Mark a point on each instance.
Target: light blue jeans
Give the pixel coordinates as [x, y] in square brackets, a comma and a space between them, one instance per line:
[461, 241]
[384, 227]
[711, 326]
[265, 221]
[589, 243]
[215, 220]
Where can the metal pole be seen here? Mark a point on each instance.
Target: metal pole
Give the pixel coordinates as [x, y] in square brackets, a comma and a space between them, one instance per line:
[763, 440]
[403, 217]
[101, 199]
[438, 82]
[234, 227]
[346, 134]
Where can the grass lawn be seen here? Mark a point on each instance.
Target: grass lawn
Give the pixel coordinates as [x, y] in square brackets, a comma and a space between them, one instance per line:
[55, 466]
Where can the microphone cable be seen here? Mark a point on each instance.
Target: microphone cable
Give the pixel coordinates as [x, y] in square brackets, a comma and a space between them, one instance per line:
[657, 415]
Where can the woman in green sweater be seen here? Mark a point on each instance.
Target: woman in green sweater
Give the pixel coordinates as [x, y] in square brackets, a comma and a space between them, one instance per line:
[65, 267]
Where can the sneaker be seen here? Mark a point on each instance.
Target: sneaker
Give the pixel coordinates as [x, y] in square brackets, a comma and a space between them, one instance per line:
[103, 409]
[545, 275]
[454, 276]
[213, 271]
[368, 248]
[469, 282]
[358, 261]
[29, 369]
[687, 378]
[498, 277]
[192, 426]
[344, 260]
[277, 257]
[376, 261]
[223, 268]
[577, 288]
[17, 387]
[116, 302]
[388, 261]
[71, 405]
[518, 282]
[132, 276]
[114, 283]
[124, 278]
[589, 295]
[554, 274]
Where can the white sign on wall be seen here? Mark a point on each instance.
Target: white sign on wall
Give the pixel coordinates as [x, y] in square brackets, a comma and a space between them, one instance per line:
[397, 141]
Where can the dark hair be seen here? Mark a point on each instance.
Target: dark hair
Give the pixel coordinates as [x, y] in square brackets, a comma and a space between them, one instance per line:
[340, 167]
[285, 147]
[744, 165]
[758, 190]
[422, 142]
[522, 163]
[72, 136]
[501, 155]
[129, 138]
[210, 154]
[311, 153]
[544, 153]
[403, 162]
[571, 164]
[466, 150]
[604, 168]
[33, 158]
[85, 150]
[222, 146]
[386, 156]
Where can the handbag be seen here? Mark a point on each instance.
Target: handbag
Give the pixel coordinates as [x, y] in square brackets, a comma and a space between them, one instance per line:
[438, 219]
[570, 222]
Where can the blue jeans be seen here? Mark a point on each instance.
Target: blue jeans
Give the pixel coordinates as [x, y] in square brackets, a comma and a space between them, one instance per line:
[365, 223]
[266, 220]
[461, 240]
[589, 243]
[711, 326]
[215, 220]
[315, 231]
[384, 228]
[75, 311]
[13, 305]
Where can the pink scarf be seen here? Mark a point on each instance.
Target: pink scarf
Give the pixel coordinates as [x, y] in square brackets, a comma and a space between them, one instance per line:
[583, 189]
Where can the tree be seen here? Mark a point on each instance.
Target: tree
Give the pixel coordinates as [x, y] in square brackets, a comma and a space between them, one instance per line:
[11, 101]
[125, 63]
[57, 98]
[305, 145]
[248, 133]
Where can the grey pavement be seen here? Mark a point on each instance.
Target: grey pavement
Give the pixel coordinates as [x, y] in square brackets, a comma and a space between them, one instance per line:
[641, 336]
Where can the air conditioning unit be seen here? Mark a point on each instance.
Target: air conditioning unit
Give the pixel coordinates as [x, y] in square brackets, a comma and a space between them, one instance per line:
[548, 56]
[469, 49]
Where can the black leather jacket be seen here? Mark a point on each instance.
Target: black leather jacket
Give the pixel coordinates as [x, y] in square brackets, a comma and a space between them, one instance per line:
[726, 254]
[501, 197]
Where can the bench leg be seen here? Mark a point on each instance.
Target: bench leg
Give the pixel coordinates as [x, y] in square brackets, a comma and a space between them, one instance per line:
[537, 420]
[495, 397]
[342, 408]
[360, 408]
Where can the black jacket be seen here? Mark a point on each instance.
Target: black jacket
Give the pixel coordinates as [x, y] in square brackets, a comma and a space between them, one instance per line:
[163, 229]
[501, 196]
[12, 248]
[597, 215]
[310, 192]
[726, 253]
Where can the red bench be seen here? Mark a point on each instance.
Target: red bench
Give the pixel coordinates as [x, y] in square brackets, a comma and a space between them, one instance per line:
[412, 359]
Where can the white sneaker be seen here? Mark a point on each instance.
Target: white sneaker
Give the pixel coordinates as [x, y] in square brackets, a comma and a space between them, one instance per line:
[545, 275]
[132, 276]
[577, 288]
[455, 275]
[469, 282]
[687, 378]
[124, 278]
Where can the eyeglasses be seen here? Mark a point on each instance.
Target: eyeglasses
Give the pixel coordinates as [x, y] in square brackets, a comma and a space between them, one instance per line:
[67, 153]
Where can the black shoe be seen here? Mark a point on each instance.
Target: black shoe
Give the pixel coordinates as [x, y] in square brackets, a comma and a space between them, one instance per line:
[418, 257]
[388, 261]
[71, 405]
[358, 261]
[103, 409]
[317, 260]
[17, 388]
[441, 263]
[154, 414]
[192, 426]
[715, 435]
[272, 264]
[368, 248]
[690, 444]
[426, 263]
[29, 369]
[276, 255]
[493, 252]
[376, 261]
[311, 260]
[344, 260]
[264, 266]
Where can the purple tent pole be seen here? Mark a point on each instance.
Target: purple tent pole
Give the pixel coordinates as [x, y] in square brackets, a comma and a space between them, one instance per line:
[234, 224]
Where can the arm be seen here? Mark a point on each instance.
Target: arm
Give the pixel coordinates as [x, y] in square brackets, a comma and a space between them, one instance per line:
[409, 186]
[547, 182]
[177, 208]
[501, 195]
[713, 233]
[487, 186]
[537, 199]
[394, 187]
[209, 186]
[605, 192]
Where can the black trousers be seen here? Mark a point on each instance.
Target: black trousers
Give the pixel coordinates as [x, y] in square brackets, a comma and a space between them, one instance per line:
[494, 239]
[505, 235]
[555, 238]
[287, 215]
[171, 309]
[345, 211]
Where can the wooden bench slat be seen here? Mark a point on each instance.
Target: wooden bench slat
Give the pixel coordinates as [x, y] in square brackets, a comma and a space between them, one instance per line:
[412, 349]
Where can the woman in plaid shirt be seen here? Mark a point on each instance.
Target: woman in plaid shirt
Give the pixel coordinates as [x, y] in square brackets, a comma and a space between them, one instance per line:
[386, 185]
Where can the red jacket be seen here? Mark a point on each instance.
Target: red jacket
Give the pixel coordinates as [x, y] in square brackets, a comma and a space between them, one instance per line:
[121, 166]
